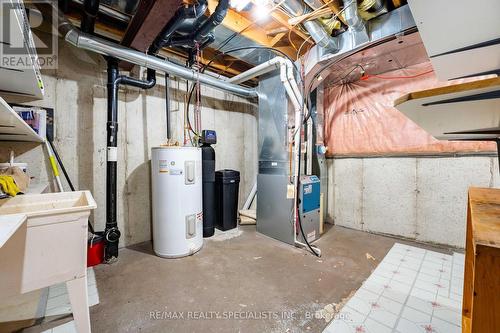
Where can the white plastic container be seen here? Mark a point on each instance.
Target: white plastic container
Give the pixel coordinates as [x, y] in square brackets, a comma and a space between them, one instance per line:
[176, 178]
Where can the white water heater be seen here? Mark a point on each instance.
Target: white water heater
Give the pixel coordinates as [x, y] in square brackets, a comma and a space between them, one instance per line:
[177, 201]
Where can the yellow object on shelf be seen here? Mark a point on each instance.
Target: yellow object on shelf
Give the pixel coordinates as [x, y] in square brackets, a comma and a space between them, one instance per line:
[8, 185]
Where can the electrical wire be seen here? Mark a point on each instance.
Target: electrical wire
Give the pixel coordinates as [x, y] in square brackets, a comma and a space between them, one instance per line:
[302, 45]
[202, 70]
[367, 76]
[297, 186]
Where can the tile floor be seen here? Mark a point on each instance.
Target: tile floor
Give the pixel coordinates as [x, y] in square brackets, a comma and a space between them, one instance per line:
[411, 291]
[58, 302]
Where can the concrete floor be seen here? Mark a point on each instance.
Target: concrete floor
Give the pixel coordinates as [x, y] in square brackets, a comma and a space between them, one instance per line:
[246, 276]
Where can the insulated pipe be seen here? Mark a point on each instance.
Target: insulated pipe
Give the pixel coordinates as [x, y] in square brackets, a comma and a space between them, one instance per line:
[104, 47]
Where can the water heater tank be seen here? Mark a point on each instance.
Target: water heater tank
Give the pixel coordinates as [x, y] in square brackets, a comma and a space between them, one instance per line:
[177, 201]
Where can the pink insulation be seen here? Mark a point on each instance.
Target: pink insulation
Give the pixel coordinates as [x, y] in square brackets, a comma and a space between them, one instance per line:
[360, 118]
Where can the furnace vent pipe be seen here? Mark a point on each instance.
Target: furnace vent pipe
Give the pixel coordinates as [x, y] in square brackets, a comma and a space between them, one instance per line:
[110, 49]
[101, 46]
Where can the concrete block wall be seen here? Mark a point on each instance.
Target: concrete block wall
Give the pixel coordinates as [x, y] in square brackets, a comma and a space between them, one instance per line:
[421, 198]
[77, 92]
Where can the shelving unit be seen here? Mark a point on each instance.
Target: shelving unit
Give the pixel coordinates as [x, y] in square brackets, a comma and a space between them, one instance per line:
[13, 127]
[457, 47]
[467, 111]
[26, 80]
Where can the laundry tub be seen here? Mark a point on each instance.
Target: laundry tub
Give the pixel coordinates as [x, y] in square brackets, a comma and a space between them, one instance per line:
[49, 247]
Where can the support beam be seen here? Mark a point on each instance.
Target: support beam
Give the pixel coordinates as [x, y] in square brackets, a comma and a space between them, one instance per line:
[282, 19]
[277, 38]
[151, 16]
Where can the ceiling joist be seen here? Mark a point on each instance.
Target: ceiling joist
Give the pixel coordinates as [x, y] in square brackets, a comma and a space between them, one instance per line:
[247, 28]
[151, 17]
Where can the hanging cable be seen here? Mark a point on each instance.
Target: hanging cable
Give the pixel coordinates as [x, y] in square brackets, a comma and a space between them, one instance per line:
[197, 112]
[297, 186]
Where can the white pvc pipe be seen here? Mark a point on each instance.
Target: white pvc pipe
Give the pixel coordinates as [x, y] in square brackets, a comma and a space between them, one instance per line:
[258, 70]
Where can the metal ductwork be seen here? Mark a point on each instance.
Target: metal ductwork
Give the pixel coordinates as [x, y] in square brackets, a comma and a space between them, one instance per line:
[394, 24]
[369, 9]
[354, 21]
[313, 27]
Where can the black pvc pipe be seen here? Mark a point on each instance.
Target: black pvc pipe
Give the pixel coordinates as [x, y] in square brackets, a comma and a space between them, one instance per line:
[90, 10]
[186, 12]
[111, 232]
[203, 35]
[213, 21]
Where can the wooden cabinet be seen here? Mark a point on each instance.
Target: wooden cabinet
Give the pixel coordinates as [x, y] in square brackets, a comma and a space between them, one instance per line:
[481, 300]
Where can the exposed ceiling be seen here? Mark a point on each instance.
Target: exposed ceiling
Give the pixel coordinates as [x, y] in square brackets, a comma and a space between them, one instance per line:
[136, 23]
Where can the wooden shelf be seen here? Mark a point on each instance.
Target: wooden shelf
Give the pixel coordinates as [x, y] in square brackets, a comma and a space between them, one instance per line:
[471, 106]
[13, 127]
[481, 300]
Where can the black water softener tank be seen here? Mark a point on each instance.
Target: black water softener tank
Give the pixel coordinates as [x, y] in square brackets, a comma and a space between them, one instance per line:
[208, 165]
